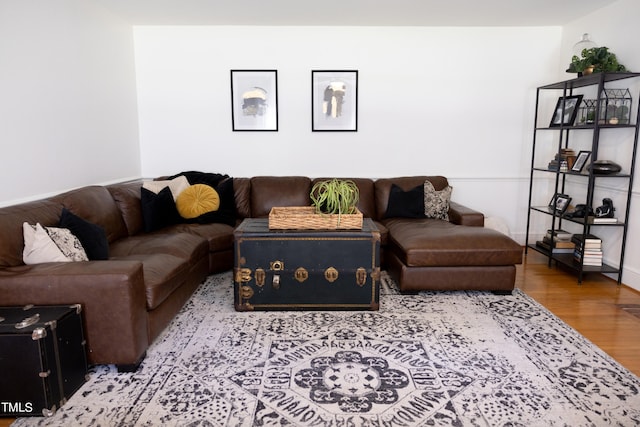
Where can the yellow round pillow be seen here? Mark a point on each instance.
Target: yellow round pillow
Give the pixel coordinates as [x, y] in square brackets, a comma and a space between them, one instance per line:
[196, 200]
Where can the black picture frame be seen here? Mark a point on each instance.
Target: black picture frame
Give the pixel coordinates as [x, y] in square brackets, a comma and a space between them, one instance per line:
[560, 202]
[334, 100]
[581, 161]
[254, 100]
[566, 111]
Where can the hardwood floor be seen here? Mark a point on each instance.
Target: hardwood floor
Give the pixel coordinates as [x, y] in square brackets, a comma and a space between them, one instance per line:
[598, 308]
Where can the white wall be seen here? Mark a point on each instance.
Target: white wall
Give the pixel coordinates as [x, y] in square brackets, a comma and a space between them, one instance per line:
[451, 101]
[68, 113]
[617, 28]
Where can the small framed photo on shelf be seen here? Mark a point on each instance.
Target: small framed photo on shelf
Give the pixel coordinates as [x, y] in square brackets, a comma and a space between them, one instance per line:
[254, 100]
[559, 202]
[566, 111]
[334, 100]
[580, 161]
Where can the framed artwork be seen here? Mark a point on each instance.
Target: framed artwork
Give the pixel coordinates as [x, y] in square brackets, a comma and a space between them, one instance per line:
[566, 111]
[334, 100]
[581, 160]
[560, 201]
[254, 100]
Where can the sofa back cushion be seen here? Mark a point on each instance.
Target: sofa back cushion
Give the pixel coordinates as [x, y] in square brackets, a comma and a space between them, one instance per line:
[366, 202]
[242, 197]
[127, 197]
[383, 189]
[96, 205]
[46, 212]
[270, 191]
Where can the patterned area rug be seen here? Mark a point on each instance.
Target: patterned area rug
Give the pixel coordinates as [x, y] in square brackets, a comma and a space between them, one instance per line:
[432, 359]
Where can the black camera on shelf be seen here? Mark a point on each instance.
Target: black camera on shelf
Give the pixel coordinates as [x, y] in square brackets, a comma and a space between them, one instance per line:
[581, 211]
[584, 211]
[606, 210]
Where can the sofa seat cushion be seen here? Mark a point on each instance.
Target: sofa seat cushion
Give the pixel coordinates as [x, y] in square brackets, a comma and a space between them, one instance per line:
[163, 274]
[189, 248]
[433, 242]
[219, 236]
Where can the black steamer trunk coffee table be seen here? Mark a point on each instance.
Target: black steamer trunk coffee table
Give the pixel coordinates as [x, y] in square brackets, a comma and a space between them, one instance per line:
[306, 269]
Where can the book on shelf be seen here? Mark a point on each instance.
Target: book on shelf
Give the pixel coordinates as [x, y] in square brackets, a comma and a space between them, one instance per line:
[556, 249]
[594, 220]
[588, 260]
[594, 255]
[558, 244]
[588, 249]
[561, 244]
[588, 239]
[559, 235]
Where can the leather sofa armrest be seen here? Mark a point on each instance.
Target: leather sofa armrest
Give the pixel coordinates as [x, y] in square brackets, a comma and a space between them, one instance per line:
[112, 295]
[462, 215]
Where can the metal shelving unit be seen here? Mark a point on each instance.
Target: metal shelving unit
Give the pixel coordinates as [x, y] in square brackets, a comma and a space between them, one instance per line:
[564, 132]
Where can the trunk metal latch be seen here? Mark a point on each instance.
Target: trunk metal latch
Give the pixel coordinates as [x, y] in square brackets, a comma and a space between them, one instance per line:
[260, 276]
[243, 275]
[277, 265]
[361, 276]
[331, 274]
[301, 274]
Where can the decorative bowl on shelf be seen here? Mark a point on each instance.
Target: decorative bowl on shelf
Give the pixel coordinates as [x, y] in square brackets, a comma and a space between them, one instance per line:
[604, 167]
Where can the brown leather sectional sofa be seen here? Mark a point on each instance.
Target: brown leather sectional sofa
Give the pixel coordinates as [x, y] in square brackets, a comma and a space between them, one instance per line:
[131, 297]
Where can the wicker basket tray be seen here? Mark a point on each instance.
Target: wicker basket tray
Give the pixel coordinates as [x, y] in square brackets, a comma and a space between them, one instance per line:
[306, 218]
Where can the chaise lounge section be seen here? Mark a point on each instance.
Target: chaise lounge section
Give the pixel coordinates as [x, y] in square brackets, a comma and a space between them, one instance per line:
[432, 254]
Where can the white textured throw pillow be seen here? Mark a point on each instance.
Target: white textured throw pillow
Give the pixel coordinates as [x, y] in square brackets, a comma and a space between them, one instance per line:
[176, 185]
[68, 243]
[39, 247]
[436, 203]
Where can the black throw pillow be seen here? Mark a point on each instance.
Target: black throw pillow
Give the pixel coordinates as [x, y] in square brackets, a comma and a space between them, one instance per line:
[158, 210]
[405, 204]
[92, 236]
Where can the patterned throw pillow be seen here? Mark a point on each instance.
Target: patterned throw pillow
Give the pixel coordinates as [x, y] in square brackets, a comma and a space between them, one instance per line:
[68, 244]
[50, 244]
[38, 246]
[436, 203]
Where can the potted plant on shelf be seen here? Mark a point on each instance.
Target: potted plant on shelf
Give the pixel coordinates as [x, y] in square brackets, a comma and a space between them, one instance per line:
[595, 60]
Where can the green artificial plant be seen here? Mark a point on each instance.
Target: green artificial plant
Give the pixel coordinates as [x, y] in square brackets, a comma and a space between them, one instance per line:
[597, 57]
[335, 196]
